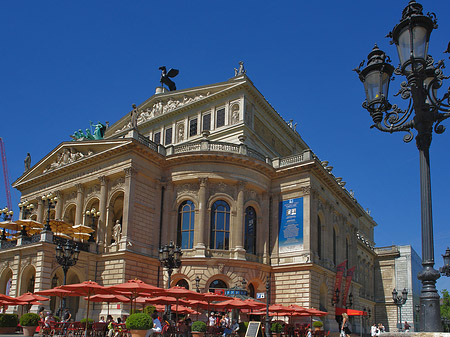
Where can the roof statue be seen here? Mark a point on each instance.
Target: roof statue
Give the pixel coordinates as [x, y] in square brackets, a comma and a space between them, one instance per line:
[165, 77]
[99, 131]
[27, 162]
[241, 70]
[134, 116]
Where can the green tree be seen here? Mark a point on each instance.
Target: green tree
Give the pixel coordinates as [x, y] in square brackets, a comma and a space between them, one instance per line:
[445, 306]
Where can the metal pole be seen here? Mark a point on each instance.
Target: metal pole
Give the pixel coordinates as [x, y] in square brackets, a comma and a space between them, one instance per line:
[429, 297]
[268, 332]
[65, 270]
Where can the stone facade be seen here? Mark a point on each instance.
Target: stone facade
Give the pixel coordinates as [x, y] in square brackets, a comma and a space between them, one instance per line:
[210, 169]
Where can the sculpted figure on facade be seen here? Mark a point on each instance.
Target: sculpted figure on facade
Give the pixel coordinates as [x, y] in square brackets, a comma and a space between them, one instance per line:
[180, 132]
[27, 162]
[117, 232]
[65, 157]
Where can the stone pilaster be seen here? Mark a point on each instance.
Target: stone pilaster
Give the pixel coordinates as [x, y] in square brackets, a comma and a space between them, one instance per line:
[238, 231]
[128, 203]
[80, 200]
[40, 210]
[101, 226]
[262, 229]
[59, 205]
[199, 230]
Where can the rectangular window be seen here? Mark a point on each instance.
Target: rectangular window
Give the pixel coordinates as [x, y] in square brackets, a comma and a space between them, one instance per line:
[206, 122]
[168, 136]
[157, 137]
[193, 127]
[220, 117]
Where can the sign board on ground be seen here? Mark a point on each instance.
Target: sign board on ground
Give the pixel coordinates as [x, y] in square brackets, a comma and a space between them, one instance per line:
[252, 329]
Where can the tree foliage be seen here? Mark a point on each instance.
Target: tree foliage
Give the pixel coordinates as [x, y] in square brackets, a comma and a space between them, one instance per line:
[445, 306]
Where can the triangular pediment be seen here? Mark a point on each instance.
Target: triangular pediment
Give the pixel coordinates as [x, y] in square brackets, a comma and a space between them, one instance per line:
[68, 155]
[159, 105]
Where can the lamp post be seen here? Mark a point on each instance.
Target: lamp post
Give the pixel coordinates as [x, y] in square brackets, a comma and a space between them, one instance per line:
[7, 215]
[66, 256]
[399, 300]
[197, 283]
[350, 301]
[423, 79]
[26, 208]
[170, 258]
[445, 269]
[268, 332]
[93, 213]
[51, 200]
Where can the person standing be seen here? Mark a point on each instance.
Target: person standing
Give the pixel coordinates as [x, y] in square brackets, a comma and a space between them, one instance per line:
[345, 325]
[374, 330]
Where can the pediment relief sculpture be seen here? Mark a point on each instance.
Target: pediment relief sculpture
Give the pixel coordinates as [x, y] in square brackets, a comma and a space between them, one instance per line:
[65, 157]
[162, 107]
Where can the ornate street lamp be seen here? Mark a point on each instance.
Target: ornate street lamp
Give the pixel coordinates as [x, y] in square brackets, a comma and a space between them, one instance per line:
[7, 215]
[51, 200]
[26, 209]
[445, 269]
[197, 283]
[170, 258]
[93, 213]
[268, 332]
[399, 300]
[350, 301]
[66, 256]
[423, 79]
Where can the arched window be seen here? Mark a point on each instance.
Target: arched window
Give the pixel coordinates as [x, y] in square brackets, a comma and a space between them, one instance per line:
[334, 247]
[217, 284]
[185, 229]
[220, 225]
[183, 283]
[319, 238]
[250, 230]
[251, 290]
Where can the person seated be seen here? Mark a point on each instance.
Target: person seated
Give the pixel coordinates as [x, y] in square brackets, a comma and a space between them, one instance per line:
[49, 319]
[102, 319]
[156, 326]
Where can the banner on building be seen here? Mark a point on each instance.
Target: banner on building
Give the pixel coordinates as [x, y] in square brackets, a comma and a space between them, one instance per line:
[348, 282]
[290, 233]
[339, 273]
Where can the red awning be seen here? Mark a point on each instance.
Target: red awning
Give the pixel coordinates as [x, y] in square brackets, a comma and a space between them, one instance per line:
[350, 312]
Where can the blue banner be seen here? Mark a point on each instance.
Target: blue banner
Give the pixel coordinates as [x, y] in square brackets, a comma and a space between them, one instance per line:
[290, 233]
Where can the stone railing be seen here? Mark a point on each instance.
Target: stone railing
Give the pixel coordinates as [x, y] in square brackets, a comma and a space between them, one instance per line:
[27, 240]
[206, 145]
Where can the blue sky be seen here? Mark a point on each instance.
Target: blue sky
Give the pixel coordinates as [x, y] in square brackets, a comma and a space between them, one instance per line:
[65, 63]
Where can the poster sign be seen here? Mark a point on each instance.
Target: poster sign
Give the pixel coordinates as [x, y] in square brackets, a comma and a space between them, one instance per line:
[290, 235]
[253, 329]
[260, 295]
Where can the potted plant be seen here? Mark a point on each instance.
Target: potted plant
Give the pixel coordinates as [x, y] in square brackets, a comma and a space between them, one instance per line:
[8, 323]
[276, 329]
[317, 325]
[242, 329]
[198, 329]
[138, 324]
[29, 322]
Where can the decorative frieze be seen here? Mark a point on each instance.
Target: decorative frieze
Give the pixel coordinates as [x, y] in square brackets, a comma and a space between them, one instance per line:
[190, 188]
[162, 107]
[66, 157]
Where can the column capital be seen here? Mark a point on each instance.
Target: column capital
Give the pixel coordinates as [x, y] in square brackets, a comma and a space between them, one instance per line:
[129, 172]
[203, 181]
[103, 179]
[80, 188]
[241, 185]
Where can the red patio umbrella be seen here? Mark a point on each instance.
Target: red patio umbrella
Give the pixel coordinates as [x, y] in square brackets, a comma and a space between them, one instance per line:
[181, 292]
[165, 300]
[88, 289]
[134, 288]
[30, 297]
[108, 298]
[235, 303]
[214, 297]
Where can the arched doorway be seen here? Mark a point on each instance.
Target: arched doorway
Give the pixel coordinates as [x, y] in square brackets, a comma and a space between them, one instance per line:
[217, 285]
[5, 281]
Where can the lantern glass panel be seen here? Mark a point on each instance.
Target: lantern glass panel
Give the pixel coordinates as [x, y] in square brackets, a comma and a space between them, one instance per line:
[418, 48]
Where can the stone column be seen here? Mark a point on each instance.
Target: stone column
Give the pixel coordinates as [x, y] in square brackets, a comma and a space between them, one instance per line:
[59, 205]
[238, 231]
[40, 210]
[101, 224]
[273, 244]
[80, 199]
[199, 230]
[128, 202]
[307, 219]
[262, 229]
